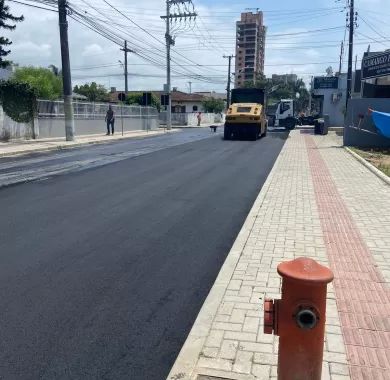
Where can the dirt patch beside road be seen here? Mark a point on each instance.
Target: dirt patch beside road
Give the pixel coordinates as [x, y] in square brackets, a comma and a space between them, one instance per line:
[380, 158]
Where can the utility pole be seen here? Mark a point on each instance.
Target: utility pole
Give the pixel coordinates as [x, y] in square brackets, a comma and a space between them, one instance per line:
[311, 94]
[341, 56]
[126, 50]
[66, 75]
[229, 57]
[350, 55]
[171, 42]
[190, 84]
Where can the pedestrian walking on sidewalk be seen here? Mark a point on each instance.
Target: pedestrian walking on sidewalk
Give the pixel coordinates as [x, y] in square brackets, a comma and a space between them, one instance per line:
[110, 120]
[199, 118]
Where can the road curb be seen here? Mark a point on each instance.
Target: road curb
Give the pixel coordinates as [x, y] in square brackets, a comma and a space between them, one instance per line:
[77, 145]
[185, 365]
[369, 166]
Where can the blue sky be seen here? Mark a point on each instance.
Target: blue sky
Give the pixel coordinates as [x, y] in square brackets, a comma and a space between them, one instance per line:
[292, 46]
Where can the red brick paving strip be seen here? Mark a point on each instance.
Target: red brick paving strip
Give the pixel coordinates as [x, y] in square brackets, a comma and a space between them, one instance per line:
[363, 298]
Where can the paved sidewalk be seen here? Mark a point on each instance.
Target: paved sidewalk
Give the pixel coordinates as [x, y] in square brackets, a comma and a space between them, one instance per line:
[318, 202]
[17, 147]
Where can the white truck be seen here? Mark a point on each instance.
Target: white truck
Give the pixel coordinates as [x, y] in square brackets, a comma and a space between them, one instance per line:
[285, 115]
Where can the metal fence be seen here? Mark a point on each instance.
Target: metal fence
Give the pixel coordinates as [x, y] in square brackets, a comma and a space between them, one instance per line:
[86, 110]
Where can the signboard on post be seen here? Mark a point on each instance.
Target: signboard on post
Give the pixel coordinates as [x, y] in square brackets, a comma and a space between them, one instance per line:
[375, 66]
[325, 83]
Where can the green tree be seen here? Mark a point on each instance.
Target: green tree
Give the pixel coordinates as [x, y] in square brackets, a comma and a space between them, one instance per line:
[280, 89]
[43, 81]
[5, 16]
[136, 98]
[93, 91]
[260, 82]
[302, 102]
[213, 105]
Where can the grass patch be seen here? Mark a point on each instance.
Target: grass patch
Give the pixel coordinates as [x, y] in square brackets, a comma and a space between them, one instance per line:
[379, 157]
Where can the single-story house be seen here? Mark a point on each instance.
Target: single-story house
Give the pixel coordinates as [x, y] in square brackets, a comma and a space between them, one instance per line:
[182, 102]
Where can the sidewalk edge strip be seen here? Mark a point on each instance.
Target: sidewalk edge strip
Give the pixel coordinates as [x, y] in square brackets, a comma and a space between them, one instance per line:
[369, 166]
[187, 359]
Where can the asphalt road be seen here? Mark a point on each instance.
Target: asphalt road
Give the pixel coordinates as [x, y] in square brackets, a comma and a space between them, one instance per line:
[103, 271]
[35, 166]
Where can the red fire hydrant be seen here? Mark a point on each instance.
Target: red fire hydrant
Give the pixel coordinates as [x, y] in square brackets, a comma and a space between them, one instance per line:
[299, 319]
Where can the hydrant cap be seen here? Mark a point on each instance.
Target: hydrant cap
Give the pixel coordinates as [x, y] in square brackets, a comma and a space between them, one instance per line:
[306, 270]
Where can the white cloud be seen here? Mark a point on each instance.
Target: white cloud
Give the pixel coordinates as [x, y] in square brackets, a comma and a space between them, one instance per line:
[312, 53]
[31, 50]
[93, 49]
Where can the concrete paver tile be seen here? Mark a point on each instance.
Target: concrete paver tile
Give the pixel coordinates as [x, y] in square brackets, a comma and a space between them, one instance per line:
[221, 364]
[215, 338]
[210, 352]
[241, 336]
[262, 372]
[243, 362]
[228, 349]
[339, 369]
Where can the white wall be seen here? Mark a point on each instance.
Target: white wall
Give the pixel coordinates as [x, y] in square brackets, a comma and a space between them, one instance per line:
[207, 118]
[49, 127]
[191, 120]
[55, 127]
[189, 106]
[12, 128]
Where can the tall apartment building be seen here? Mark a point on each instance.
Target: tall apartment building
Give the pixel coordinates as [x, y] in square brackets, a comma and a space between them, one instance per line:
[250, 47]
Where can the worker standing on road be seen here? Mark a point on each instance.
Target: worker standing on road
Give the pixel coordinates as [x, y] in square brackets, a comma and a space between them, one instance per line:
[110, 120]
[199, 118]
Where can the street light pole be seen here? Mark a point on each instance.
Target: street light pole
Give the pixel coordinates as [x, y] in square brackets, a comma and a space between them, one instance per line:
[350, 54]
[169, 42]
[228, 88]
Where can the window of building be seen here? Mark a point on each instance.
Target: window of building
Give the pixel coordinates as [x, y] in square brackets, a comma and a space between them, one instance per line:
[195, 108]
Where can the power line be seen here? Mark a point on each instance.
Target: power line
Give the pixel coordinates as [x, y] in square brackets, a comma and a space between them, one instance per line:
[372, 28]
[34, 6]
[113, 37]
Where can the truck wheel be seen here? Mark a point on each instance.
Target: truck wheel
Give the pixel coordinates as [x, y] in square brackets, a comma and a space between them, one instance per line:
[227, 134]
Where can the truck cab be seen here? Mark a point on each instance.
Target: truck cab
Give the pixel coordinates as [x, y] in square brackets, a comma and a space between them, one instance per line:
[285, 114]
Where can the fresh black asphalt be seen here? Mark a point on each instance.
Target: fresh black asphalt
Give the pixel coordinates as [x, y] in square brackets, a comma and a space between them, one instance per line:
[103, 271]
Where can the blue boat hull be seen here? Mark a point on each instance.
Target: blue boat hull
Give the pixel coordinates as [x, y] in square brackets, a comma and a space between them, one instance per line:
[382, 122]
